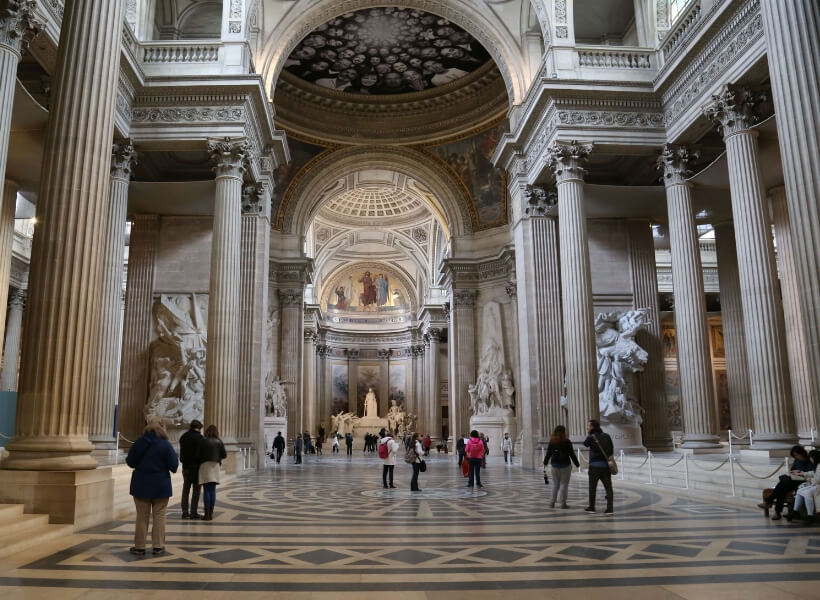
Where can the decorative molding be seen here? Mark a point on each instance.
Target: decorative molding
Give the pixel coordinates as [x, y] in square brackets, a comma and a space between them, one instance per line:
[676, 162]
[607, 118]
[18, 23]
[734, 108]
[17, 299]
[565, 160]
[188, 115]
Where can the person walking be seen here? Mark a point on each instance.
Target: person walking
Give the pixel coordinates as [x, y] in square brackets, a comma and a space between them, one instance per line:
[506, 447]
[189, 457]
[335, 448]
[211, 454]
[462, 441]
[388, 447]
[153, 459]
[559, 455]
[297, 450]
[474, 451]
[278, 446]
[427, 443]
[600, 449]
[349, 443]
[413, 456]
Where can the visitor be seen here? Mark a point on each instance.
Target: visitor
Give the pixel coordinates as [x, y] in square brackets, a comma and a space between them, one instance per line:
[391, 447]
[486, 441]
[211, 454]
[335, 448]
[297, 450]
[600, 449]
[321, 433]
[558, 457]
[349, 443]
[189, 457]
[413, 456]
[278, 446]
[462, 441]
[506, 448]
[308, 445]
[808, 493]
[427, 443]
[475, 450]
[789, 483]
[318, 445]
[153, 459]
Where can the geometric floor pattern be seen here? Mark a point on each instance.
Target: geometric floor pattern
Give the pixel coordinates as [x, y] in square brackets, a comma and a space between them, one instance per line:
[327, 528]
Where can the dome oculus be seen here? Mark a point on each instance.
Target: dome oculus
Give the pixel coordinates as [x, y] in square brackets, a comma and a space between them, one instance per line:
[386, 51]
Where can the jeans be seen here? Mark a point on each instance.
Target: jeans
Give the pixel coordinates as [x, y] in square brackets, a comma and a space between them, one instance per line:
[560, 483]
[781, 490]
[278, 454]
[805, 495]
[414, 481]
[209, 495]
[506, 455]
[350, 449]
[602, 474]
[387, 475]
[190, 486]
[145, 507]
[475, 471]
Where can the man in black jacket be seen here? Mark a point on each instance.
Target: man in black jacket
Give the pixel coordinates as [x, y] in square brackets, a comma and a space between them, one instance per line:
[460, 445]
[600, 449]
[278, 446]
[189, 457]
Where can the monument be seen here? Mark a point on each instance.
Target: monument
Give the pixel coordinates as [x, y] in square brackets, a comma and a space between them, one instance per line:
[370, 422]
[276, 418]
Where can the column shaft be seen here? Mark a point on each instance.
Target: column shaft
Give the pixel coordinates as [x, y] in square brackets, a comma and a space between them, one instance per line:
[292, 321]
[462, 359]
[433, 426]
[63, 316]
[309, 394]
[11, 355]
[6, 242]
[651, 382]
[737, 367]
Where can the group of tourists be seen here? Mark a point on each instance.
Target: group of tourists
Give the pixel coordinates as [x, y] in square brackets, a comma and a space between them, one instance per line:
[803, 481]
[153, 459]
[389, 448]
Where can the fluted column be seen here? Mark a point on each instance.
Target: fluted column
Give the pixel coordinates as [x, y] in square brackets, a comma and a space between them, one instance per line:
[11, 354]
[222, 363]
[651, 382]
[109, 343]
[580, 357]
[291, 301]
[806, 397]
[136, 326]
[694, 362]
[462, 353]
[737, 367]
[18, 24]
[540, 380]
[733, 109]
[6, 243]
[792, 29]
[309, 393]
[63, 316]
[433, 426]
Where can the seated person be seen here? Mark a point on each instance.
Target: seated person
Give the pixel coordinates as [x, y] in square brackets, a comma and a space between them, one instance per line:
[808, 493]
[789, 483]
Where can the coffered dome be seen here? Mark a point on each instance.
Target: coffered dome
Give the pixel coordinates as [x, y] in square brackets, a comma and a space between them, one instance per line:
[374, 202]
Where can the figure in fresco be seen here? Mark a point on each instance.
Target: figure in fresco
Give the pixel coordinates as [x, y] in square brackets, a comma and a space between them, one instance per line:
[368, 295]
[341, 300]
[382, 289]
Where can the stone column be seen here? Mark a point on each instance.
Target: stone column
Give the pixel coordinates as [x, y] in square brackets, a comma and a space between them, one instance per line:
[733, 109]
[254, 261]
[580, 358]
[651, 382]
[433, 425]
[792, 29]
[806, 398]
[222, 363]
[136, 327]
[292, 323]
[11, 355]
[694, 362]
[737, 368]
[63, 316]
[309, 390]
[540, 334]
[6, 243]
[18, 24]
[415, 391]
[462, 352]
[109, 343]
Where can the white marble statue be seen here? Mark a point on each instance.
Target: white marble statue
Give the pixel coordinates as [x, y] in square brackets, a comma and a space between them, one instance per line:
[486, 395]
[276, 404]
[371, 405]
[619, 358]
[177, 385]
[507, 390]
[395, 417]
[343, 423]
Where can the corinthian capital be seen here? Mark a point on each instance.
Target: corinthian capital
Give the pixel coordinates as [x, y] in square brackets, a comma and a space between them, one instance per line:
[17, 299]
[676, 164]
[123, 159]
[18, 23]
[541, 202]
[464, 298]
[734, 108]
[229, 156]
[566, 160]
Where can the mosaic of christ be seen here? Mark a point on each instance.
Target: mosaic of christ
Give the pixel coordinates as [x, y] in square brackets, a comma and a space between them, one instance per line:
[366, 290]
[386, 51]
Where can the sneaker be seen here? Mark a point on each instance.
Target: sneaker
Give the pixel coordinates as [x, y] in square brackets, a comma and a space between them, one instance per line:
[137, 551]
[157, 551]
[196, 517]
[565, 506]
[589, 509]
[776, 517]
[609, 512]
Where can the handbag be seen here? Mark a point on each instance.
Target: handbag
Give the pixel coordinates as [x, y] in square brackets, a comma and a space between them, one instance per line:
[610, 460]
[465, 468]
[422, 466]
[546, 477]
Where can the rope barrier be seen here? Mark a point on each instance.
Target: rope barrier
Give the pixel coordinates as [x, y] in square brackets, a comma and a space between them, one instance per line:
[646, 458]
[709, 470]
[125, 438]
[670, 465]
[5, 437]
[745, 470]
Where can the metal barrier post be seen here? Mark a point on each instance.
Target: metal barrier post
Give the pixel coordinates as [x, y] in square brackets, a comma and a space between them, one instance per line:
[751, 439]
[730, 442]
[686, 470]
[623, 467]
[578, 455]
[649, 460]
[732, 473]
[117, 449]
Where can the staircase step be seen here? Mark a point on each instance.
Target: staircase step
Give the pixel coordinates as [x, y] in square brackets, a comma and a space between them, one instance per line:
[9, 512]
[20, 541]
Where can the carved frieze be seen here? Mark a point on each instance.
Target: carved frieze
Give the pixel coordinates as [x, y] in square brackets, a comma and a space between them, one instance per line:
[188, 115]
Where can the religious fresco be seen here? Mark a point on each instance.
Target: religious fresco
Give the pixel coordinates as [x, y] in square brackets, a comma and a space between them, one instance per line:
[339, 389]
[398, 384]
[470, 160]
[301, 154]
[366, 289]
[367, 376]
[386, 50]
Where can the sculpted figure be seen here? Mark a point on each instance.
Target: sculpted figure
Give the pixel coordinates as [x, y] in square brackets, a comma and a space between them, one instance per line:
[371, 405]
[507, 389]
[276, 404]
[395, 416]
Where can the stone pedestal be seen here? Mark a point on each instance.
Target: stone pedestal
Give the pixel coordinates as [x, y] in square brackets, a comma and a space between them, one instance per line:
[494, 425]
[273, 425]
[367, 425]
[625, 436]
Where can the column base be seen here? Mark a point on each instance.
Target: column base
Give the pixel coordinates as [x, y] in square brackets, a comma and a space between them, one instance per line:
[84, 498]
[775, 442]
[49, 454]
[805, 438]
[720, 449]
[701, 441]
[662, 445]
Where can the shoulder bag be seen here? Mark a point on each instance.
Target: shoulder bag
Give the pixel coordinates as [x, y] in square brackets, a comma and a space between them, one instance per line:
[610, 460]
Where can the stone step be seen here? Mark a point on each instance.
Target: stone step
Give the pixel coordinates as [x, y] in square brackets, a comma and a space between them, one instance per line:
[22, 531]
[9, 512]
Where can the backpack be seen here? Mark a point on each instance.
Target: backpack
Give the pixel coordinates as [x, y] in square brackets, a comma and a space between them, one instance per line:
[475, 449]
[384, 451]
[410, 456]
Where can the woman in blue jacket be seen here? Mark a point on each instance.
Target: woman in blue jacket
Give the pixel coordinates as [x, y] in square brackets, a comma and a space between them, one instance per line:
[153, 459]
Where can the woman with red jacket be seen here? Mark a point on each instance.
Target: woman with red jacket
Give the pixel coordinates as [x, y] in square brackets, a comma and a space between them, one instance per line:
[475, 456]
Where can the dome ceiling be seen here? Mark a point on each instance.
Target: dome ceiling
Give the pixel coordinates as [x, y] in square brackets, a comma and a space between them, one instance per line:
[386, 51]
[374, 202]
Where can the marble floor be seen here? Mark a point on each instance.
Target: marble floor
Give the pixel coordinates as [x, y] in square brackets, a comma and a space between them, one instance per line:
[327, 528]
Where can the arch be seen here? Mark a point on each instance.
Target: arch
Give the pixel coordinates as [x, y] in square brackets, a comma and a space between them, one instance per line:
[295, 26]
[208, 10]
[303, 198]
[541, 14]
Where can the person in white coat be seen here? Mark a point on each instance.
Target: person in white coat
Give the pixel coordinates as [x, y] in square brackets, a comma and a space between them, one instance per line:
[506, 447]
[808, 493]
[389, 447]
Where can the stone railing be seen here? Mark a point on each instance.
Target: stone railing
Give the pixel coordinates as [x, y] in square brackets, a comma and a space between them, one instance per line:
[684, 24]
[613, 57]
[166, 53]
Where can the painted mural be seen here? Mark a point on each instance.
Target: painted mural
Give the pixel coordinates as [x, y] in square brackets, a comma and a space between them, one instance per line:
[366, 289]
[339, 389]
[301, 154]
[398, 384]
[470, 159]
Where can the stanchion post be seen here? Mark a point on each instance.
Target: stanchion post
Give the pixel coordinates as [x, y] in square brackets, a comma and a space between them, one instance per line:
[732, 473]
[751, 438]
[649, 460]
[686, 471]
[623, 467]
[578, 455]
[730, 442]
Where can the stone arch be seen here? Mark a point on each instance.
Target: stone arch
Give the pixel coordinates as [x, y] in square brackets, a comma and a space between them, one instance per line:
[503, 47]
[450, 203]
[541, 12]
